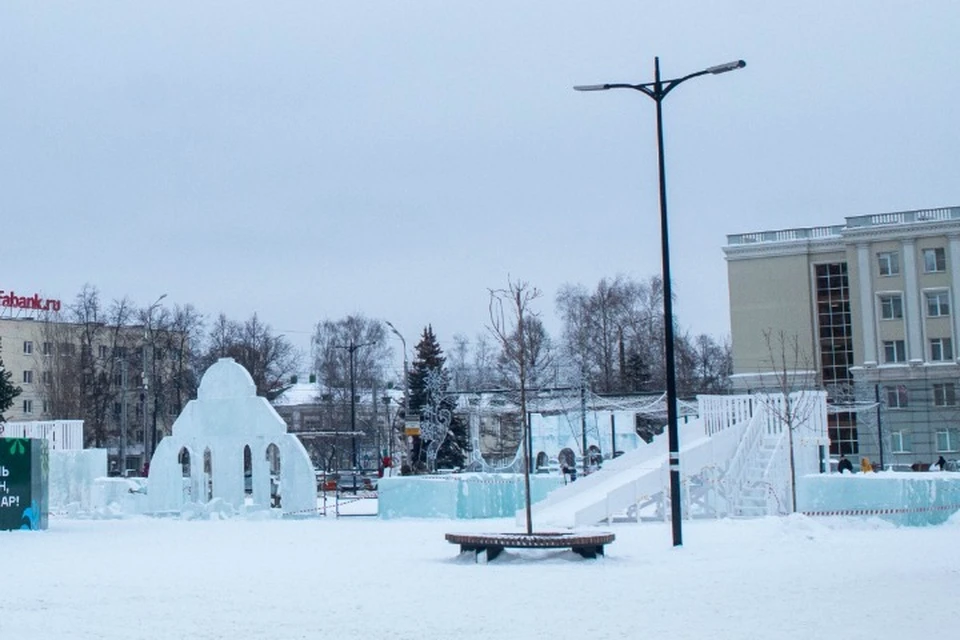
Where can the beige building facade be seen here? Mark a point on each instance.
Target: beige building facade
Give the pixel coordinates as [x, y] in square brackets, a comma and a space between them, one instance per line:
[872, 305]
[119, 381]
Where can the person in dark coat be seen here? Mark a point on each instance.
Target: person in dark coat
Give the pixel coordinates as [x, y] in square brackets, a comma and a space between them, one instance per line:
[844, 465]
[941, 463]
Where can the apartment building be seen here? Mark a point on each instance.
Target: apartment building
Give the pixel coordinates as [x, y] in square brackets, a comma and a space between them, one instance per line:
[871, 305]
[124, 382]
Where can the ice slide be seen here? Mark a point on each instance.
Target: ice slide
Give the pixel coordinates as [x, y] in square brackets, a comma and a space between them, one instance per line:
[637, 476]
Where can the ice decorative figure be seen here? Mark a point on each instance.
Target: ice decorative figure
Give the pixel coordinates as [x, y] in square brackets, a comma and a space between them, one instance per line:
[229, 445]
[435, 415]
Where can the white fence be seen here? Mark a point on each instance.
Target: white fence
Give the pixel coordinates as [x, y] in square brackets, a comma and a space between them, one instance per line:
[63, 435]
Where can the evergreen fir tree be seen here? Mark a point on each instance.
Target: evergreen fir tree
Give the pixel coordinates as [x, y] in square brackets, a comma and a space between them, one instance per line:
[429, 358]
[8, 390]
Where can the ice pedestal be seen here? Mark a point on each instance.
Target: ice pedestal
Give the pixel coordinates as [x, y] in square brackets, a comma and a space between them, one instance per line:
[72, 475]
[460, 496]
[911, 499]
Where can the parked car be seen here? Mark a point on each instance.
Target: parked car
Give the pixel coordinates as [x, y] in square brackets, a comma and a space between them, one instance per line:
[352, 482]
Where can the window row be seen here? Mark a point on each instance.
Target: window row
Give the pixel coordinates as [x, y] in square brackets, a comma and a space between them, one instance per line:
[103, 351]
[944, 395]
[940, 350]
[46, 377]
[934, 261]
[937, 304]
[28, 406]
[947, 441]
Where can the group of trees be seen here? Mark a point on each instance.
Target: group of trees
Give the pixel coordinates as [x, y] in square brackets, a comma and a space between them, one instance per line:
[611, 340]
[126, 360]
[126, 371]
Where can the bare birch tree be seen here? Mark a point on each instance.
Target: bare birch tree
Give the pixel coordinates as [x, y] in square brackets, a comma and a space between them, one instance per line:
[510, 317]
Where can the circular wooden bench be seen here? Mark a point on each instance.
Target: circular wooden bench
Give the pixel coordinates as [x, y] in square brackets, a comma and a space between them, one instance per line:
[487, 546]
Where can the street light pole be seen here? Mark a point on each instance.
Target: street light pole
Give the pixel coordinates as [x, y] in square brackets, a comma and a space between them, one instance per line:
[152, 438]
[352, 349]
[657, 91]
[406, 380]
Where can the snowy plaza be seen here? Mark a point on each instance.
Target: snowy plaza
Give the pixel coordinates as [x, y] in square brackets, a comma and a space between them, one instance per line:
[789, 577]
[162, 565]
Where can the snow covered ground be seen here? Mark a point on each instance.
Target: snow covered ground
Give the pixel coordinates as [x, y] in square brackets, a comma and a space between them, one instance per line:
[794, 577]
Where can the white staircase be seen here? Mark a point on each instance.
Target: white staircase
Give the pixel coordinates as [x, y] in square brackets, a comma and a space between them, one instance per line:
[753, 494]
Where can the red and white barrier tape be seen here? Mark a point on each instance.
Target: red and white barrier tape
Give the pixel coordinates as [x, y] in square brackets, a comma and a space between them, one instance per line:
[881, 512]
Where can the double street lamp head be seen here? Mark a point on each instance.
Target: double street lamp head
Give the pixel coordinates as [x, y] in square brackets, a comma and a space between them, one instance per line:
[646, 88]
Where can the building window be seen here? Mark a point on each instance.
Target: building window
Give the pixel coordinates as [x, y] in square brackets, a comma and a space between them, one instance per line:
[901, 442]
[889, 263]
[48, 348]
[46, 407]
[894, 351]
[28, 406]
[934, 260]
[47, 377]
[897, 397]
[27, 347]
[891, 307]
[842, 431]
[948, 440]
[118, 379]
[941, 349]
[834, 322]
[944, 395]
[67, 349]
[28, 377]
[938, 304]
[117, 410]
[103, 351]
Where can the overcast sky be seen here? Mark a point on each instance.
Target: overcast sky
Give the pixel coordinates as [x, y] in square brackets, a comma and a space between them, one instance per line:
[308, 160]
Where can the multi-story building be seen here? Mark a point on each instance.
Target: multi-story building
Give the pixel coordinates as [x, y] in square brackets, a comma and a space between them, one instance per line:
[870, 304]
[126, 383]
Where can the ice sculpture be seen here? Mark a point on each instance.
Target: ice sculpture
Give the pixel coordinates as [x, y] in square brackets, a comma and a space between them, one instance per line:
[229, 444]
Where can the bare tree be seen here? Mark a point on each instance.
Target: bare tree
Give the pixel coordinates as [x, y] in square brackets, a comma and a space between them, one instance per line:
[510, 317]
[270, 359]
[461, 378]
[791, 375]
[335, 342]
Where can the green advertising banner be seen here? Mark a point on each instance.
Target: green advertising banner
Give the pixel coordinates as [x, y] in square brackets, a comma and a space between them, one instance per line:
[23, 484]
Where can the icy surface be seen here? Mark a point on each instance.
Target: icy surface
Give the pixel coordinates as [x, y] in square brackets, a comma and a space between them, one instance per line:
[72, 473]
[465, 495]
[903, 498]
[774, 578]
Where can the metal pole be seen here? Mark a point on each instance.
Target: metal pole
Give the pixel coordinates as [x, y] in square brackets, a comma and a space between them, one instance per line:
[353, 405]
[530, 460]
[613, 436]
[657, 91]
[672, 426]
[583, 423]
[876, 389]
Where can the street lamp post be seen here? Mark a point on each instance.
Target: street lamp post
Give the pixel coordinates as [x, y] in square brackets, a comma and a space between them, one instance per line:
[147, 329]
[352, 349]
[657, 91]
[406, 377]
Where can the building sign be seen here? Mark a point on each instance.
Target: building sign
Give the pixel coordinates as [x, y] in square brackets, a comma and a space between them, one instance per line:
[411, 428]
[34, 302]
[23, 484]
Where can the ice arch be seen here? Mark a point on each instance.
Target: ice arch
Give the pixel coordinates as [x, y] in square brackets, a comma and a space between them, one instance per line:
[226, 418]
